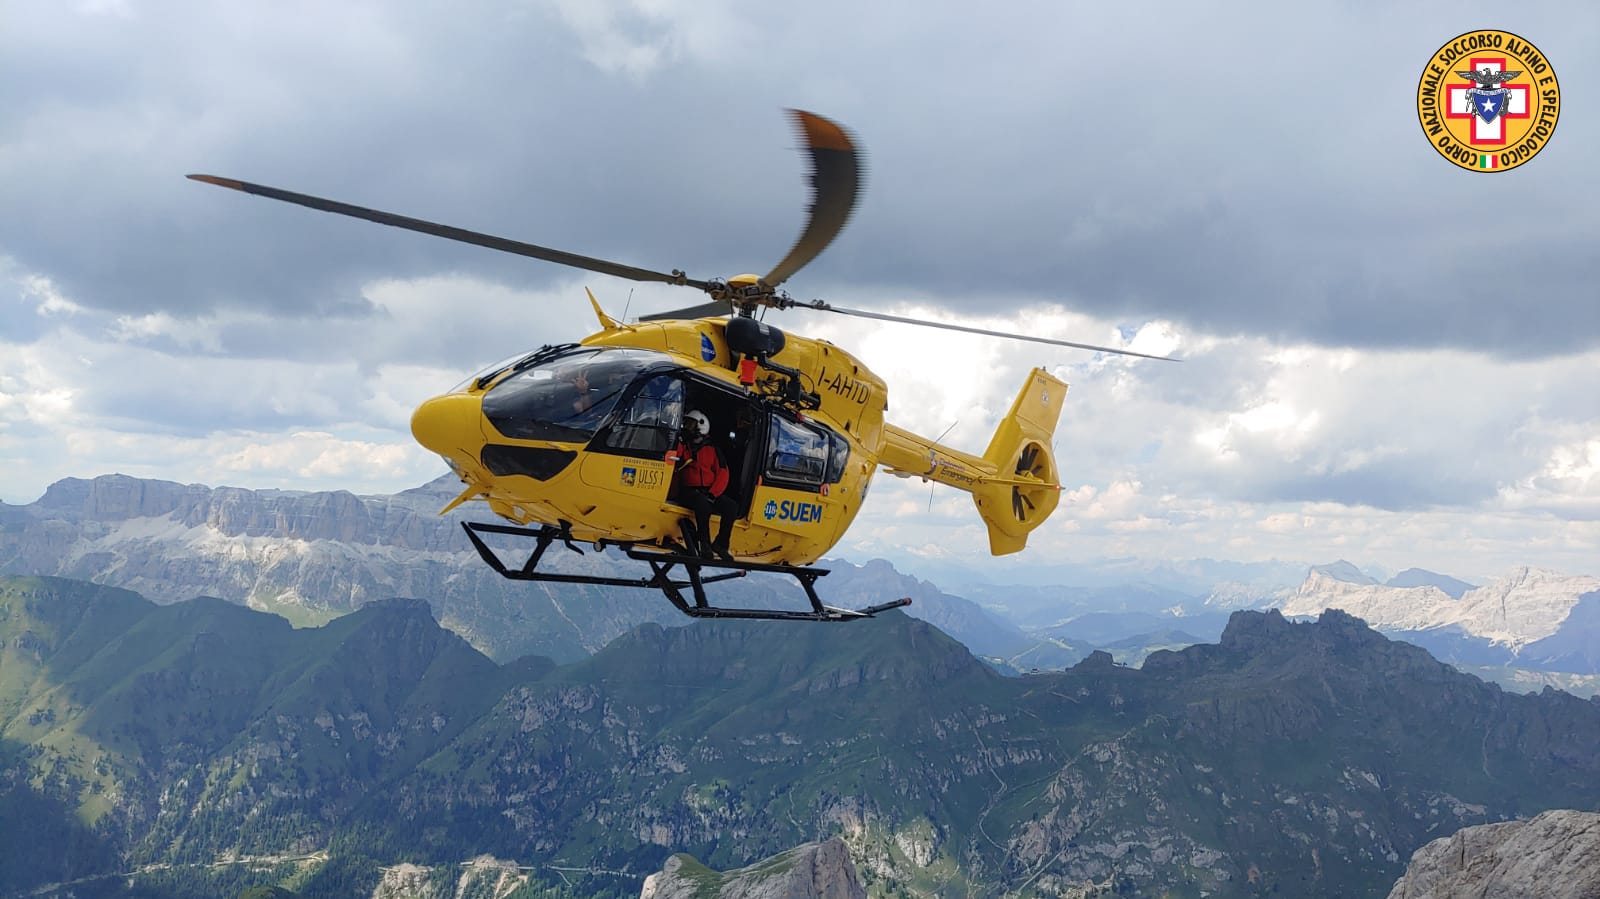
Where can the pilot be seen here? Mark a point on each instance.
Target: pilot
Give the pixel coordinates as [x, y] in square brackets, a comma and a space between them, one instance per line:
[583, 396]
[703, 485]
[566, 395]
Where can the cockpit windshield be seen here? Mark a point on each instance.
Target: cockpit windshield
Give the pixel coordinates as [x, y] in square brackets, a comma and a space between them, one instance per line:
[566, 397]
[520, 361]
[488, 373]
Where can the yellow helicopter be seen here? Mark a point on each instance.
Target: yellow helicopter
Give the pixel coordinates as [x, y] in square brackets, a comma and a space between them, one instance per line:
[584, 442]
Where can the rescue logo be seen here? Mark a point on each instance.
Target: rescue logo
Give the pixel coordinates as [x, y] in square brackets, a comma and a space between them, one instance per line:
[789, 510]
[1488, 101]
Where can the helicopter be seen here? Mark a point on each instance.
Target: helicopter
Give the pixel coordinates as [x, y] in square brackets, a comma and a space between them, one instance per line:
[579, 443]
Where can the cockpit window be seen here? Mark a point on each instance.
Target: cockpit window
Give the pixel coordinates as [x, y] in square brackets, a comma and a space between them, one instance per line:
[796, 452]
[520, 360]
[565, 398]
[838, 455]
[648, 426]
[500, 366]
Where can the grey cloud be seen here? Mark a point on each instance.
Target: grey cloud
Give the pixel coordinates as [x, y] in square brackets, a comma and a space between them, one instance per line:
[175, 397]
[1392, 488]
[1087, 160]
[1390, 432]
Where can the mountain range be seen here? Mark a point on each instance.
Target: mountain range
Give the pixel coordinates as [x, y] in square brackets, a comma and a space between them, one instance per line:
[1516, 611]
[154, 741]
[313, 556]
[1529, 619]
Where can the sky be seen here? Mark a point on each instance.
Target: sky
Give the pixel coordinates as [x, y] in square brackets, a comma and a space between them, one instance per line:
[1386, 359]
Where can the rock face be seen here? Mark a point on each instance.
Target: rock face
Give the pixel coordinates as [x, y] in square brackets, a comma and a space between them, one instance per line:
[1555, 855]
[484, 877]
[811, 871]
[1420, 577]
[310, 557]
[314, 556]
[1521, 608]
[1529, 621]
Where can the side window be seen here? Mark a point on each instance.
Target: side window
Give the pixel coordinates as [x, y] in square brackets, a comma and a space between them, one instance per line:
[649, 424]
[797, 452]
[838, 455]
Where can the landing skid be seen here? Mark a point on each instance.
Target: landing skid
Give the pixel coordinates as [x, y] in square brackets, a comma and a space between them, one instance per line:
[662, 563]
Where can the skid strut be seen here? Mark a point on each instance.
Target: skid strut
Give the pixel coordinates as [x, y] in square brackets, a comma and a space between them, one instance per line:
[662, 564]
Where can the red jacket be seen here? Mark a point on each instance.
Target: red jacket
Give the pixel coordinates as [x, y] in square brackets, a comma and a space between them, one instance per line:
[702, 467]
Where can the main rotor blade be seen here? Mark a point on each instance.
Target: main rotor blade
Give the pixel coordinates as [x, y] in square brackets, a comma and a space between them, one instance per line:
[825, 307]
[562, 257]
[835, 180]
[704, 310]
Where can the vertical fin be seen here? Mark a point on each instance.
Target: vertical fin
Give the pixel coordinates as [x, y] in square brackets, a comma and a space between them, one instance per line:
[607, 323]
[1020, 451]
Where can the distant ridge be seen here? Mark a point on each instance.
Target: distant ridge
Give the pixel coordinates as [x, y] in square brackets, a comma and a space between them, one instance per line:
[1418, 577]
[1346, 572]
[312, 556]
[1524, 606]
[812, 871]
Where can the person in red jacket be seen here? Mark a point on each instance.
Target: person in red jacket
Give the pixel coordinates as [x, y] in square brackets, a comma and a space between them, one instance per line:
[703, 485]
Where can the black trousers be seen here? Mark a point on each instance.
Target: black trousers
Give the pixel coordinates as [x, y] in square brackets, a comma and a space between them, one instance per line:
[704, 505]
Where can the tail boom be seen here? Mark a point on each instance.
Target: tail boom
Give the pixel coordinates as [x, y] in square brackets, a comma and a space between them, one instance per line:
[1014, 484]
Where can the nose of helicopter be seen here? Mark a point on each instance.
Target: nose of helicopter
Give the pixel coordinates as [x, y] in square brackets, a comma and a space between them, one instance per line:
[449, 425]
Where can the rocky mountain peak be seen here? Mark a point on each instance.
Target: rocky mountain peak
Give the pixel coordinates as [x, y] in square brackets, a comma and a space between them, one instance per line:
[1527, 605]
[1421, 577]
[894, 649]
[812, 871]
[1555, 855]
[1099, 660]
[116, 497]
[1231, 595]
[1269, 634]
[1526, 578]
[1248, 631]
[1344, 571]
[400, 635]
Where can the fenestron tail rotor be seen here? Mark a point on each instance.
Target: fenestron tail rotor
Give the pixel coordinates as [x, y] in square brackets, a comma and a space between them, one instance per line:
[1031, 463]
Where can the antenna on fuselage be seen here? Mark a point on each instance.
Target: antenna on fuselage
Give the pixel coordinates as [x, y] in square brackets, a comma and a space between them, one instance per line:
[939, 439]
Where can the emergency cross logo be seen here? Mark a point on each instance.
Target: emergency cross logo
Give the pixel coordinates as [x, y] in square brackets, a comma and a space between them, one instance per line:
[1488, 101]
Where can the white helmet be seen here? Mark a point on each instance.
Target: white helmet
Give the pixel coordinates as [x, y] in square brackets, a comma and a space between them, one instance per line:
[700, 422]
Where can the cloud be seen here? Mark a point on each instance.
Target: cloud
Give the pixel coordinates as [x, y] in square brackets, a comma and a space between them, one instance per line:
[648, 132]
[314, 455]
[1247, 450]
[1380, 350]
[1566, 486]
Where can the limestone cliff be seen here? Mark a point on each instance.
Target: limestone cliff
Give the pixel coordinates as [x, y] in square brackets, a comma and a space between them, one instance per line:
[811, 871]
[1555, 855]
